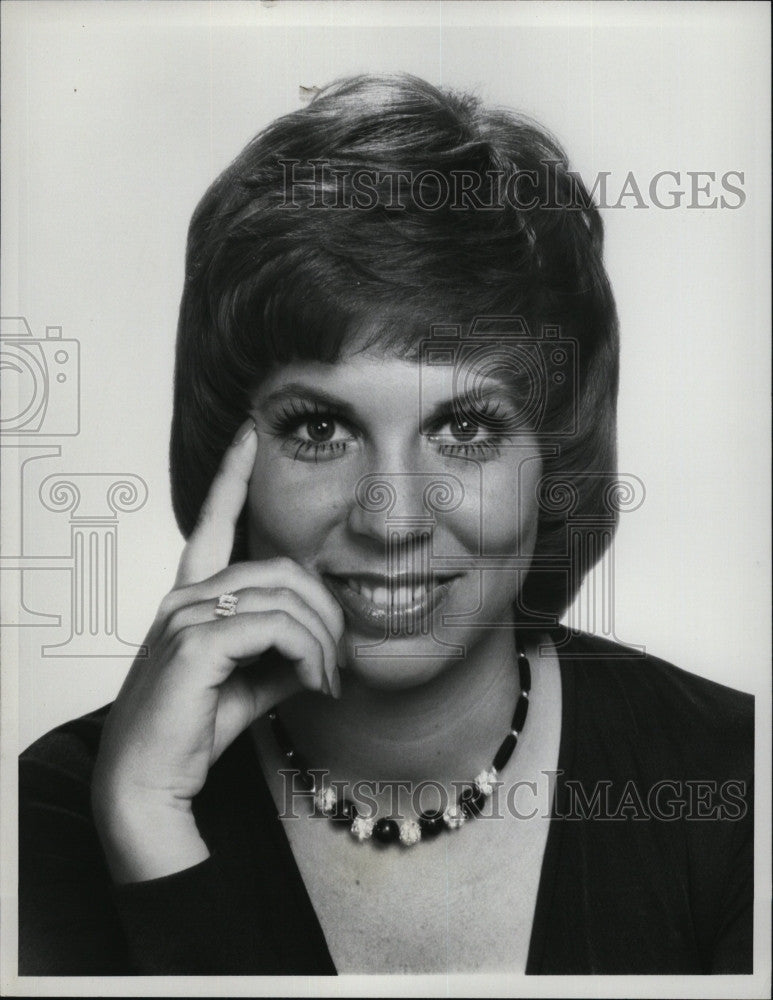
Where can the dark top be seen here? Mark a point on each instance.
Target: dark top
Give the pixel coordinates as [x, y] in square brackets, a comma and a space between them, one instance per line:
[648, 866]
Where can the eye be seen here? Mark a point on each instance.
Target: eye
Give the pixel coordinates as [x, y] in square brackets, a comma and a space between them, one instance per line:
[462, 429]
[321, 429]
[459, 429]
[472, 435]
[309, 433]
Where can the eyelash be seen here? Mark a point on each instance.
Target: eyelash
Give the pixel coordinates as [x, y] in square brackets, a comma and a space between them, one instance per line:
[292, 416]
[490, 446]
[297, 412]
[478, 449]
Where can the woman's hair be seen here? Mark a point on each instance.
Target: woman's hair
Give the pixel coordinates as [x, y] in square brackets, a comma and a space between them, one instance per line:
[383, 208]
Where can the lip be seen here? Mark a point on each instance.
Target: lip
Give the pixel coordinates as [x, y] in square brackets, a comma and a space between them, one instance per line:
[407, 618]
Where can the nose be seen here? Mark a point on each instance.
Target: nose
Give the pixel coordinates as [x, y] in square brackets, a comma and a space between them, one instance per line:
[403, 507]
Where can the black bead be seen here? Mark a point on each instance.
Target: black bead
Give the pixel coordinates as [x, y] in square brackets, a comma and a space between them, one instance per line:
[344, 811]
[471, 801]
[505, 752]
[519, 716]
[282, 737]
[524, 672]
[300, 762]
[306, 780]
[386, 831]
[302, 776]
[431, 822]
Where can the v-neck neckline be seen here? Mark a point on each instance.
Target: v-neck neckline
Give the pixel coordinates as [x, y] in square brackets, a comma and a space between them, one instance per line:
[307, 926]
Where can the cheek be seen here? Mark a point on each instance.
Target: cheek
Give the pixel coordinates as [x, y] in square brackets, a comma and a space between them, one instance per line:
[290, 513]
[273, 523]
[500, 512]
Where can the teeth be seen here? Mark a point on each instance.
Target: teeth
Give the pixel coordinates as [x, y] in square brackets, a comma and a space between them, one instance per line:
[385, 597]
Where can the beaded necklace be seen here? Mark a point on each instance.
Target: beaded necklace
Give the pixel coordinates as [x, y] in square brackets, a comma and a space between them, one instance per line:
[469, 804]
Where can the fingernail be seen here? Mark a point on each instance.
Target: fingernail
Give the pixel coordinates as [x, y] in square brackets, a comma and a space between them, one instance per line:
[245, 430]
[336, 685]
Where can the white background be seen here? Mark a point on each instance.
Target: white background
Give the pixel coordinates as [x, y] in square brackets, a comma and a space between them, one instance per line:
[117, 116]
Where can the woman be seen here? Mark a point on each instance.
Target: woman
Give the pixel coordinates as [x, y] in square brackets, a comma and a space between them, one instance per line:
[395, 309]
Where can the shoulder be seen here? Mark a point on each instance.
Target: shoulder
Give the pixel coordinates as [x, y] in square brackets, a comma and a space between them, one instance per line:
[62, 758]
[646, 699]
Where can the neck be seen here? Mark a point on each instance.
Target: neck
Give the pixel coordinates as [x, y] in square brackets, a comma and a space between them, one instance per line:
[446, 730]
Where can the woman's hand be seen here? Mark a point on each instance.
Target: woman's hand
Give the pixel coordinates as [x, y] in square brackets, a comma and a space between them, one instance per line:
[202, 683]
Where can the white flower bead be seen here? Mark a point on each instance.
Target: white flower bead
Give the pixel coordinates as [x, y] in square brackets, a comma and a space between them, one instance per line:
[325, 800]
[484, 782]
[453, 817]
[362, 827]
[410, 832]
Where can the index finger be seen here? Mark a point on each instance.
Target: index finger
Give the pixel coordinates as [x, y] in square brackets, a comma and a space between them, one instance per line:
[209, 546]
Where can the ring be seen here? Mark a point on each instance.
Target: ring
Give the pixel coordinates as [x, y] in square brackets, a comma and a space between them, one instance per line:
[226, 605]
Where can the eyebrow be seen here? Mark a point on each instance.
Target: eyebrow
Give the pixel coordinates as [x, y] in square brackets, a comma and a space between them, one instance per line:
[295, 389]
[445, 408]
[461, 403]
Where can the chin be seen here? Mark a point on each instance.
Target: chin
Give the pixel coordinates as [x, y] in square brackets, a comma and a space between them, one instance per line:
[397, 664]
[401, 662]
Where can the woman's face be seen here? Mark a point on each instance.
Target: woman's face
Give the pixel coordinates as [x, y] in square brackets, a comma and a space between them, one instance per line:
[422, 525]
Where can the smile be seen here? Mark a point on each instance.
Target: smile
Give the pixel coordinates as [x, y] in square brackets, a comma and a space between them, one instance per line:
[400, 605]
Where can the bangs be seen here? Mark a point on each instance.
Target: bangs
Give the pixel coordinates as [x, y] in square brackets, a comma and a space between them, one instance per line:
[348, 288]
